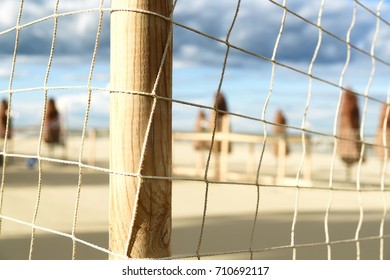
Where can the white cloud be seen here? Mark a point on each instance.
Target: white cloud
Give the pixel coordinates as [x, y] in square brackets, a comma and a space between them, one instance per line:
[75, 35]
[255, 30]
[4, 72]
[258, 24]
[8, 13]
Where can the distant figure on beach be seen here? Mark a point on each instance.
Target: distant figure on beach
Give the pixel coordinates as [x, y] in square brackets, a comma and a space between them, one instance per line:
[4, 119]
[349, 145]
[223, 122]
[3, 125]
[383, 132]
[201, 125]
[52, 129]
[280, 132]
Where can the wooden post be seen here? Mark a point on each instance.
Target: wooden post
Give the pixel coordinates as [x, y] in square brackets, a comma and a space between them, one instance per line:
[92, 147]
[224, 169]
[200, 155]
[308, 162]
[250, 161]
[217, 163]
[282, 147]
[138, 40]
[221, 148]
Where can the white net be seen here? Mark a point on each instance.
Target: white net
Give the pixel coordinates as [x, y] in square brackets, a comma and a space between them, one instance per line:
[268, 161]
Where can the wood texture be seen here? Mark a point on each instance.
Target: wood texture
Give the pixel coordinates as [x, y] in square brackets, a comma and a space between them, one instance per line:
[137, 44]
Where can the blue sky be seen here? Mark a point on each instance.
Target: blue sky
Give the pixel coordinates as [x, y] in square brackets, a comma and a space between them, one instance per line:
[198, 60]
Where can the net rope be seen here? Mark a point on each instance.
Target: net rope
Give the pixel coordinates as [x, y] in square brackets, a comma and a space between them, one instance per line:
[359, 188]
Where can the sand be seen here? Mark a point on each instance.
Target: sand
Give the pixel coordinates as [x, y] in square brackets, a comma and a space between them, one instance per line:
[230, 214]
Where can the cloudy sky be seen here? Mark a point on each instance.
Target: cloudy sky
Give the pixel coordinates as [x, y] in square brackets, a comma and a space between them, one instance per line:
[198, 60]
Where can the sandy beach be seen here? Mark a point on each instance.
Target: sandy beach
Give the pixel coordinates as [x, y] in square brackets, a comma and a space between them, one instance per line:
[231, 206]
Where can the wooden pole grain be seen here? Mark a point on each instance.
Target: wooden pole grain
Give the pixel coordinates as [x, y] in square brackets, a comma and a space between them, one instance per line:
[140, 137]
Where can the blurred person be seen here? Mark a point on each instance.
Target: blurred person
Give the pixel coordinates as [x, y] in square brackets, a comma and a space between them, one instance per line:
[279, 131]
[4, 119]
[3, 124]
[349, 143]
[223, 122]
[52, 126]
